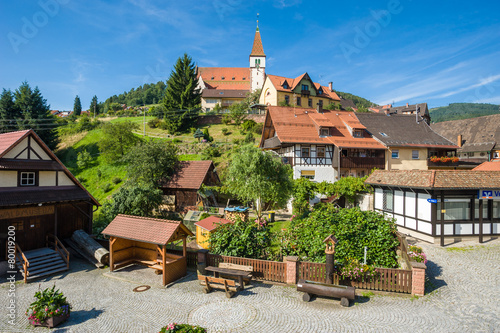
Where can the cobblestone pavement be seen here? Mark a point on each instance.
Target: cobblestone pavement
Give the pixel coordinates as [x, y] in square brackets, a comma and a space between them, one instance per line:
[463, 296]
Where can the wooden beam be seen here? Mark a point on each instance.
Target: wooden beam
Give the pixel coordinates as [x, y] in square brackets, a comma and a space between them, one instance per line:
[163, 263]
[442, 219]
[480, 220]
[112, 240]
[184, 251]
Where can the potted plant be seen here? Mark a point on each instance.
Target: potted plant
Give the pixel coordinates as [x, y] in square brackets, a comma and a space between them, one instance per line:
[182, 328]
[49, 309]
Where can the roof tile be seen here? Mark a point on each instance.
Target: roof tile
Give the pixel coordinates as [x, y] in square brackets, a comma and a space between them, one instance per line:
[211, 223]
[189, 175]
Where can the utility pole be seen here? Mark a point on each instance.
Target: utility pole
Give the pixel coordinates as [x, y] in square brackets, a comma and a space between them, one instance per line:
[144, 112]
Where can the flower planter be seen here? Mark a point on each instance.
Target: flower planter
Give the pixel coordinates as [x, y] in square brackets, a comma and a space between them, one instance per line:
[51, 322]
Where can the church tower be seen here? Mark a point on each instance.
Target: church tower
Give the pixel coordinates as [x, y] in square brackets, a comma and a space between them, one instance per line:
[257, 62]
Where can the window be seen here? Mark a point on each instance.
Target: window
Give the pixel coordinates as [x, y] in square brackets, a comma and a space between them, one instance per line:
[324, 132]
[395, 153]
[304, 152]
[305, 87]
[471, 154]
[414, 154]
[320, 151]
[212, 78]
[27, 179]
[233, 78]
[496, 209]
[383, 134]
[211, 100]
[320, 91]
[388, 200]
[485, 210]
[287, 99]
[299, 102]
[207, 109]
[310, 102]
[309, 174]
[320, 103]
[357, 133]
[455, 209]
[223, 78]
[244, 78]
[285, 85]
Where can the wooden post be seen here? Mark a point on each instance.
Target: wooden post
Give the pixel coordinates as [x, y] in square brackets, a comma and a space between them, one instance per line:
[480, 220]
[55, 220]
[163, 263]
[184, 251]
[442, 219]
[112, 240]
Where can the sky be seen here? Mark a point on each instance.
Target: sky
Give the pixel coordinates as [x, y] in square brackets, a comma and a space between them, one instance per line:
[396, 51]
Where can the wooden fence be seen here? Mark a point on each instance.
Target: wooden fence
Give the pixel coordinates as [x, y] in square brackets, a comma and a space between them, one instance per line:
[262, 269]
[387, 279]
[192, 257]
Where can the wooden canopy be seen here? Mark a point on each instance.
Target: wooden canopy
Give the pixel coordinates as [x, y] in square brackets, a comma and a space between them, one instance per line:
[143, 240]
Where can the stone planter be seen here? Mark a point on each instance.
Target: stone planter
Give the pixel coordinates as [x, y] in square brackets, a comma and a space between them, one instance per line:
[52, 321]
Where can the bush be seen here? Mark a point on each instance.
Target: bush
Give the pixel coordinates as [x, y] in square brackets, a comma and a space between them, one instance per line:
[116, 180]
[249, 138]
[257, 129]
[106, 187]
[182, 328]
[154, 123]
[204, 216]
[175, 140]
[226, 119]
[225, 131]
[210, 152]
[83, 159]
[163, 126]
[49, 303]
[248, 125]
[236, 141]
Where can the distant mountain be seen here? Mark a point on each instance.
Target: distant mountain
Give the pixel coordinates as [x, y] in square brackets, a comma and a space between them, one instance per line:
[456, 111]
[359, 101]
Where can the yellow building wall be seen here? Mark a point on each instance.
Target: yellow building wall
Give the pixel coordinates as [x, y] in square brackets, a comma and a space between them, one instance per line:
[405, 161]
[47, 178]
[202, 237]
[8, 178]
[268, 94]
[304, 100]
[65, 180]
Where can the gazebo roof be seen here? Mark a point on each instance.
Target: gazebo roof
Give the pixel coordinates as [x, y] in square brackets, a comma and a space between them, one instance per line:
[145, 229]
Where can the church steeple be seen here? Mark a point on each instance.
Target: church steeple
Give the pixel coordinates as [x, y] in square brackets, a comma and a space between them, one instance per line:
[257, 61]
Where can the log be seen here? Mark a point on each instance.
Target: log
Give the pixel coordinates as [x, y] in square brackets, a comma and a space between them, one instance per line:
[89, 245]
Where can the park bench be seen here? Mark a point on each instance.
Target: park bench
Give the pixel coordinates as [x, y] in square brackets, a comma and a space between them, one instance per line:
[229, 286]
[243, 268]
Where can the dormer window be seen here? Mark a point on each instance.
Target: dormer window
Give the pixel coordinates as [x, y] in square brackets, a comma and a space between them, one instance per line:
[244, 78]
[285, 85]
[320, 91]
[357, 133]
[233, 77]
[324, 132]
[213, 78]
[223, 78]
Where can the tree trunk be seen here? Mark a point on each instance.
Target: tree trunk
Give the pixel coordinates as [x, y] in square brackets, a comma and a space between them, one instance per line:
[82, 239]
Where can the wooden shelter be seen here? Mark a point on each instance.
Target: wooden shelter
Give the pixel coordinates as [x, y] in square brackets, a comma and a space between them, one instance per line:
[142, 240]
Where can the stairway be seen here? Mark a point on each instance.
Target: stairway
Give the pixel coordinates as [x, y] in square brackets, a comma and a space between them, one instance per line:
[42, 262]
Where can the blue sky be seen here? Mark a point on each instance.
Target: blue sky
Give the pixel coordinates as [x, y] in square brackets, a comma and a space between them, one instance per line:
[438, 52]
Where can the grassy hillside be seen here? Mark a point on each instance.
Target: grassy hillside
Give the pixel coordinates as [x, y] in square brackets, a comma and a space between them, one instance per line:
[359, 101]
[456, 111]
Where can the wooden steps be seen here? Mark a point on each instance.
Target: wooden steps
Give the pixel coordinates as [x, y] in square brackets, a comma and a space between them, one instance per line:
[42, 262]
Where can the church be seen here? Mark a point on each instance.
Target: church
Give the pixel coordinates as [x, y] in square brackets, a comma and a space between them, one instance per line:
[228, 85]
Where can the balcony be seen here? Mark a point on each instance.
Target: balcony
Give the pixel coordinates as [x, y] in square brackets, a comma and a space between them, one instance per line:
[442, 162]
[305, 92]
[362, 162]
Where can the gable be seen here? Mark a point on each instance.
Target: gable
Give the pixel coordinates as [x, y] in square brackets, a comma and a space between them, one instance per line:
[27, 149]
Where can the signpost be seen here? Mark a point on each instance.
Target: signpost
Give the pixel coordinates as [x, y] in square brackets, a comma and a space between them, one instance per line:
[432, 200]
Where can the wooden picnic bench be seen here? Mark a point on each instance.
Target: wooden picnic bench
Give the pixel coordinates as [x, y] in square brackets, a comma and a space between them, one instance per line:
[229, 286]
[248, 269]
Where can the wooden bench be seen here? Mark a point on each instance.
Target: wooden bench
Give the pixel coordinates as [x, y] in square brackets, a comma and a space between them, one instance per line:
[229, 286]
[243, 268]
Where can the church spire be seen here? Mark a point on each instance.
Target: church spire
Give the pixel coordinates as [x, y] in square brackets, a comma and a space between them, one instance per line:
[257, 49]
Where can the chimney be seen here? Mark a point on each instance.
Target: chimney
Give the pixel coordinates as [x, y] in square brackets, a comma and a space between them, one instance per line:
[406, 104]
[460, 140]
[330, 86]
[319, 108]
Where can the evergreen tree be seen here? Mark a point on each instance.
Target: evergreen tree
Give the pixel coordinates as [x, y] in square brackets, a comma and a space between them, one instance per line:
[94, 106]
[7, 112]
[32, 112]
[182, 96]
[77, 106]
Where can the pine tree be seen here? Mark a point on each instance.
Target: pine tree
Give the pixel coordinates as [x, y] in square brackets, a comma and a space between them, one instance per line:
[182, 96]
[7, 111]
[77, 106]
[94, 106]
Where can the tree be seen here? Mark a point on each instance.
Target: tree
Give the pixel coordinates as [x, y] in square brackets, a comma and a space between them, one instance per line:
[347, 187]
[77, 106]
[259, 177]
[117, 139]
[182, 96]
[303, 190]
[238, 112]
[94, 106]
[198, 134]
[151, 162]
[32, 112]
[7, 111]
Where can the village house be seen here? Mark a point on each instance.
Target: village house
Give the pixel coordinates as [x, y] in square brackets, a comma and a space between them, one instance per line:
[40, 201]
[440, 205]
[476, 138]
[227, 85]
[205, 227]
[184, 189]
[321, 145]
[419, 109]
[410, 141]
[300, 92]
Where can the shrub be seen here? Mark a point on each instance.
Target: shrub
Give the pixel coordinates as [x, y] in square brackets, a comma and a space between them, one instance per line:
[106, 188]
[83, 159]
[210, 152]
[204, 216]
[225, 131]
[49, 303]
[154, 123]
[99, 173]
[192, 130]
[175, 140]
[249, 138]
[116, 180]
[257, 129]
[163, 125]
[353, 270]
[248, 125]
[226, 119]
[236, 141]
[182, 328]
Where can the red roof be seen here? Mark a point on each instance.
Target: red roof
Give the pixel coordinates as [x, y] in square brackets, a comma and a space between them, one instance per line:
[211, 223]
[257, 48]
[278, 81]
[488, 166]
[145, 229]
[222, 77]
[189, 175]
[301, 125]
[7, 140]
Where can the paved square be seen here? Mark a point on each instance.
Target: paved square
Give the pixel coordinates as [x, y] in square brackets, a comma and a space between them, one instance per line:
[463, 296]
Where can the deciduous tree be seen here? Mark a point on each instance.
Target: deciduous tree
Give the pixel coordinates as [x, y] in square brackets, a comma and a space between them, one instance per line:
[117, 139]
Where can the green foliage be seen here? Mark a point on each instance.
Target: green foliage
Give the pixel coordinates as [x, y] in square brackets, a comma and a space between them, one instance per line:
[303, 191]
[259, 177]
[83, 123]
[182, 328]
[358, 101]
[248, 125]
[348, 187]
[130, 199]
[283, 103]
[176, 140]
[116, 180]
[151, 162]
[204, 216]
[333, 106]
[249, 138]
[95, 107]
[242, 239]
[206, 135]
[353, 270]
[106, 188]
[149, 93]
[182, 96]
[210, 152]
[49, 303]
[225, 131]
[456, 111]
[154, 123]
[84, 159]
[77, 106]
[257, 129]
[217, 108]
[226, 119]
[198, 134]
[117, 139]
[354, 230]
